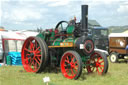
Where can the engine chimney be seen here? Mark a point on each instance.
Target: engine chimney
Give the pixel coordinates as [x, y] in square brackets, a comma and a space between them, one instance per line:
[84, 22]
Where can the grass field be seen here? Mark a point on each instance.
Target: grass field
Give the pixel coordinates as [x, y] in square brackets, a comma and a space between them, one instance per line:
[15, 75]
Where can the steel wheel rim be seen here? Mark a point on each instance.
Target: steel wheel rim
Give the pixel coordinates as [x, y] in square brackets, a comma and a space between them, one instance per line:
[69, 66]
[97, 64]
[88, 50]
[31, 55]
[113, 58]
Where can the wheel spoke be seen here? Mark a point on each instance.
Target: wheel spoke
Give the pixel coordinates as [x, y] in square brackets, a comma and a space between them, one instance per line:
[38, 58]
[65, 65]
[98, 59]
[75, 62]
[67, 70]
[36, 43]
[97, 69]
[72, 59]
[27, 50]
[101, 69]
[37, 49]
[67, 58]
[37, 61]
[32, 62]
[34, 47]
[75, 69]
[72, 72]
[101, 61]
[31, 45]
[35, 66]
[38, 55]
[67, 61]
[90, 68]
[101, 65]
[27, 59]
[27, 55]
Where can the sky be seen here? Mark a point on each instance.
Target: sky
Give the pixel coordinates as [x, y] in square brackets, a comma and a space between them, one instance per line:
[33, 14]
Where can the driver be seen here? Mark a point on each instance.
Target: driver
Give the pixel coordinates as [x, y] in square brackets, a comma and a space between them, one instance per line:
[72, 21]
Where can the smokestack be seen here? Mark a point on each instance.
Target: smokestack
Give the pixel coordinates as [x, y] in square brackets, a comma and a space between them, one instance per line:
[84, 14]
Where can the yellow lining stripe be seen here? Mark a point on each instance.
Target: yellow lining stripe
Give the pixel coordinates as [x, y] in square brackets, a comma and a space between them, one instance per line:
[63, 44]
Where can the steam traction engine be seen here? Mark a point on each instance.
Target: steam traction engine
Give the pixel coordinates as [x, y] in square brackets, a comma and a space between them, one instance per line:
[67, 46]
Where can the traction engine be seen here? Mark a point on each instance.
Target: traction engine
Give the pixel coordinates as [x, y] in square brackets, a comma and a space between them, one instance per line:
[68, 46]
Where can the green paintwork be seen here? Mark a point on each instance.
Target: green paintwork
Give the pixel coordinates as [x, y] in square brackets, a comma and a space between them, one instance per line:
[52, 36]
[70, 39]
[57, 42]
[85, 58]
[41, 36]
[70, 29]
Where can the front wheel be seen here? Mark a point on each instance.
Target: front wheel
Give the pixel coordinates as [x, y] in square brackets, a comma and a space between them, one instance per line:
[97, 63]
[71, 65]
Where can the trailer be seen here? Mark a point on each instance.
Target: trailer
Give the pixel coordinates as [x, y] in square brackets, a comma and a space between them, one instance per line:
[118, 46]
[67, 46]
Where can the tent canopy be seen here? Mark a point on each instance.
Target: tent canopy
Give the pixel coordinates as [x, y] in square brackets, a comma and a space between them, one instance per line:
[17, 35]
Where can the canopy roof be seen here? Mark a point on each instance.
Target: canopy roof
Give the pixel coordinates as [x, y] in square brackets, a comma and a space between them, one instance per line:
[118, 35]
[17, 34]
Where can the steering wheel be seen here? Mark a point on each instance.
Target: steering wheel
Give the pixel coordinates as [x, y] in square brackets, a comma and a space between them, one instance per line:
[60, 24]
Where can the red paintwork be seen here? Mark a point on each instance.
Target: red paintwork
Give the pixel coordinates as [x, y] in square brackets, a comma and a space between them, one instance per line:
[85, 44]
[57, 35]
[98, 62]
[50, 30]
[69, 65]
[56, 31]
[31, 47]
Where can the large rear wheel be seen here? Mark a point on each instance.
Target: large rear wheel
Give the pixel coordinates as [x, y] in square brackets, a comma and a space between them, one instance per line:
[34, 54]
[71, 65]
[97, 63]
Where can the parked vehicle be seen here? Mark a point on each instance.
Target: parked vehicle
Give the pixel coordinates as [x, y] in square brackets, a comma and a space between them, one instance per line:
[118, 46]
[68, 46]
[100, 37]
